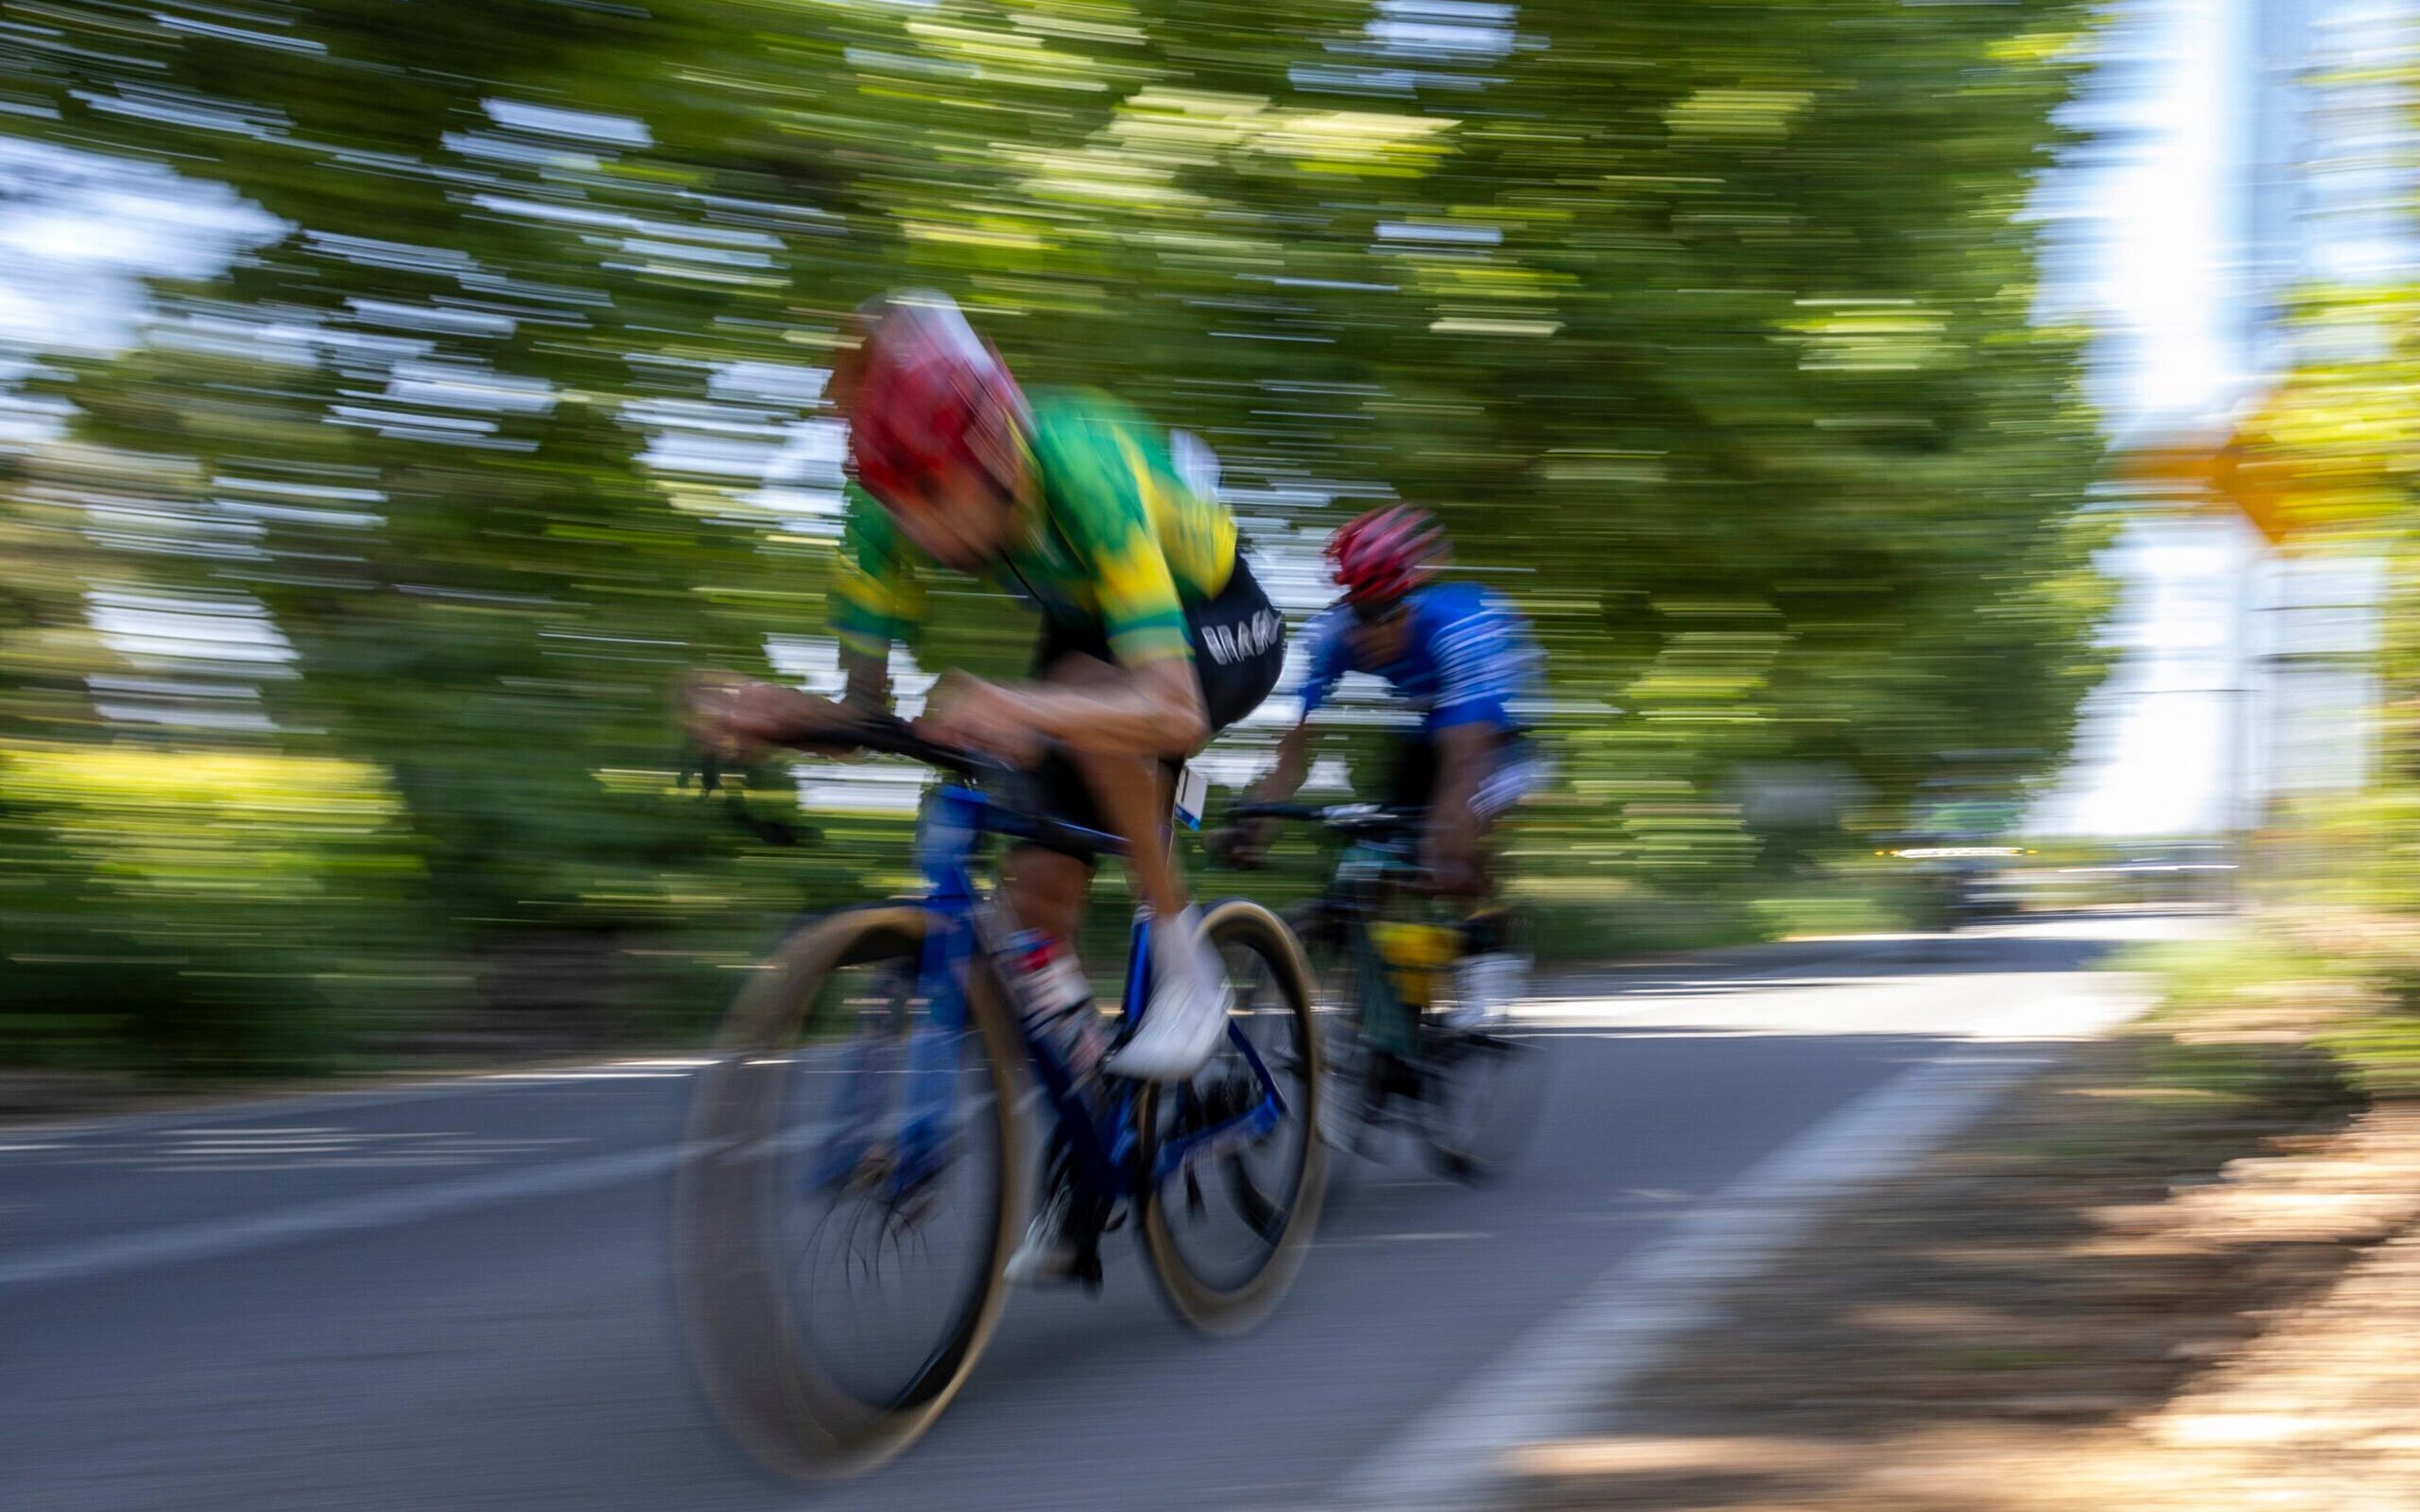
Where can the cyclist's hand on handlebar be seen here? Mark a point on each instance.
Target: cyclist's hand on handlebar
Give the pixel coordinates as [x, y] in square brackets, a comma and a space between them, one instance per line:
[708, 701]
[742, 720]
[981, 716]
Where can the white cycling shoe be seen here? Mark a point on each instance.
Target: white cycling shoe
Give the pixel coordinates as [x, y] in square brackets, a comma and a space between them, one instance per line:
[1186, 1017]
[1483, 987]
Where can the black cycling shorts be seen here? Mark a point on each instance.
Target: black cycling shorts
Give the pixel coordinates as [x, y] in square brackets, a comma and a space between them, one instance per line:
[1518, 770]
[1238, 642]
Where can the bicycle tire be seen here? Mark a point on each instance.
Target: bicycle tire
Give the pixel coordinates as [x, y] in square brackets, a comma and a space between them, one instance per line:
[1325, 936]
[1462, 1066]
[1225, 1305]
[732, 1281]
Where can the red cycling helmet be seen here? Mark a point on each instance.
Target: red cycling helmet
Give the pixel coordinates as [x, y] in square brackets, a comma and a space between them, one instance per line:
[930, 393]
[1385, 554]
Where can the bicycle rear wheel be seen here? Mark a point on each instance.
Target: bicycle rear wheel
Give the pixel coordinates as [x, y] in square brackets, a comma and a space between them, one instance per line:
[1228, 1230]
[1482, 1086]
[1481, 1093]
[838, 1260]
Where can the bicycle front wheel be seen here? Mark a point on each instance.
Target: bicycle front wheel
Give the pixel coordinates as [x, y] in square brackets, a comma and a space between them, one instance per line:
[846, 1197]
[1348, 1092]
[1229, 1211]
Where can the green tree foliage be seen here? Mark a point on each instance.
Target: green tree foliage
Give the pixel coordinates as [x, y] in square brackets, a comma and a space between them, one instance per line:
[1706, 328]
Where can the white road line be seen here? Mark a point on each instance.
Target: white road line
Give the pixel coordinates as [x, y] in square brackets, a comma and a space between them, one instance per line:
[1560, 1378]
[354, 1100]
[349, 1099]
[87, 1259]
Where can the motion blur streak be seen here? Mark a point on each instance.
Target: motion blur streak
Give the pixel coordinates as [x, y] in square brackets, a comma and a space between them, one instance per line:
[1957, 459]
[396, 406]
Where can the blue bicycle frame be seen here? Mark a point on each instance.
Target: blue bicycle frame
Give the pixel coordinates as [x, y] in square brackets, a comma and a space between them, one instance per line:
[1098, 1120]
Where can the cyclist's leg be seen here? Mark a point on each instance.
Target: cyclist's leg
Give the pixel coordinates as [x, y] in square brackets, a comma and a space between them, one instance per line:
[1414, 766]
[1238, 652]
[1238, 645]
[1129, 797]
[1516, 769]
[1120, 795]
[1046, 889]
[1495, 968]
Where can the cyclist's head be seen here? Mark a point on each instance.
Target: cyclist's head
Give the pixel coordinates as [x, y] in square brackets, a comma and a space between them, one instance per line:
[937, 430]
[1381, 556]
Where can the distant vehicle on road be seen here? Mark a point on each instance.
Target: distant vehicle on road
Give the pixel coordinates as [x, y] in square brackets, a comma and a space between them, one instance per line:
[1962, 837]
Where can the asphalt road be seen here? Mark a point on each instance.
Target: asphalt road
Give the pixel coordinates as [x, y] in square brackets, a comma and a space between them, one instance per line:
[455, 1297]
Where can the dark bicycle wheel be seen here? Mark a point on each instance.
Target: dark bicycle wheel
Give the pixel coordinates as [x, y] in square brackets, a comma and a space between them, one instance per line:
[1325, 934]
[838, 1274]
[1482, 1092]
[1228, 1231]
[1482, 1088]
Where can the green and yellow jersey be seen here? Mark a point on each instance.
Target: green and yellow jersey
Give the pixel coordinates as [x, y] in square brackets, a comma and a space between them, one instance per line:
[1114, 538]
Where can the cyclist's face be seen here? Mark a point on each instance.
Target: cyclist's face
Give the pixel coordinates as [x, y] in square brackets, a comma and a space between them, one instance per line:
[1378, 632]
[957, 516]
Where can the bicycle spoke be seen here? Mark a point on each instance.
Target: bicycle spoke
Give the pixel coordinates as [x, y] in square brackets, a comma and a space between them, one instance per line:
[844, 1199]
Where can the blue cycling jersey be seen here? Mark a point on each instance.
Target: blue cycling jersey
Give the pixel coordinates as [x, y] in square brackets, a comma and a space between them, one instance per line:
[1467, 657]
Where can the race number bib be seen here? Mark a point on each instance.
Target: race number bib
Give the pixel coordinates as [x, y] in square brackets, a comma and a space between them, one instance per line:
[1192, 796]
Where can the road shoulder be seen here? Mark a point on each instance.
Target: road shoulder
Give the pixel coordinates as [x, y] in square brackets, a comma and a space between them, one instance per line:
[2159, 1275]
[1556, 1380]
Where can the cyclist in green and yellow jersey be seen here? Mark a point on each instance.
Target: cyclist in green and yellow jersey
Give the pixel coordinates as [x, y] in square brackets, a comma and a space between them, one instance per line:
[1155, 634]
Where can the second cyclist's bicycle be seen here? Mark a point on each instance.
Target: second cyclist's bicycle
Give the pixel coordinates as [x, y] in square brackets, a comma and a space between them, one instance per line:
[856, 1171]
[1400, 1051]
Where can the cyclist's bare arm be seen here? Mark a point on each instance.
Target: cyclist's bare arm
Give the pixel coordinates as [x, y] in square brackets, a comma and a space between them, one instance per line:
[1246, 838]
[748, 717]
[1153, 710]
[1294, 764]
[745, 717]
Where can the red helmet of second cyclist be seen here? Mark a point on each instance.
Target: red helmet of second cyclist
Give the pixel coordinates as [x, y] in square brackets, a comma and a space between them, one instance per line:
[930, 396]
[1380, 556]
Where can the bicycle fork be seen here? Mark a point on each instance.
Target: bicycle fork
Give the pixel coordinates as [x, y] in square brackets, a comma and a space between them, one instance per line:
[927, 1083]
